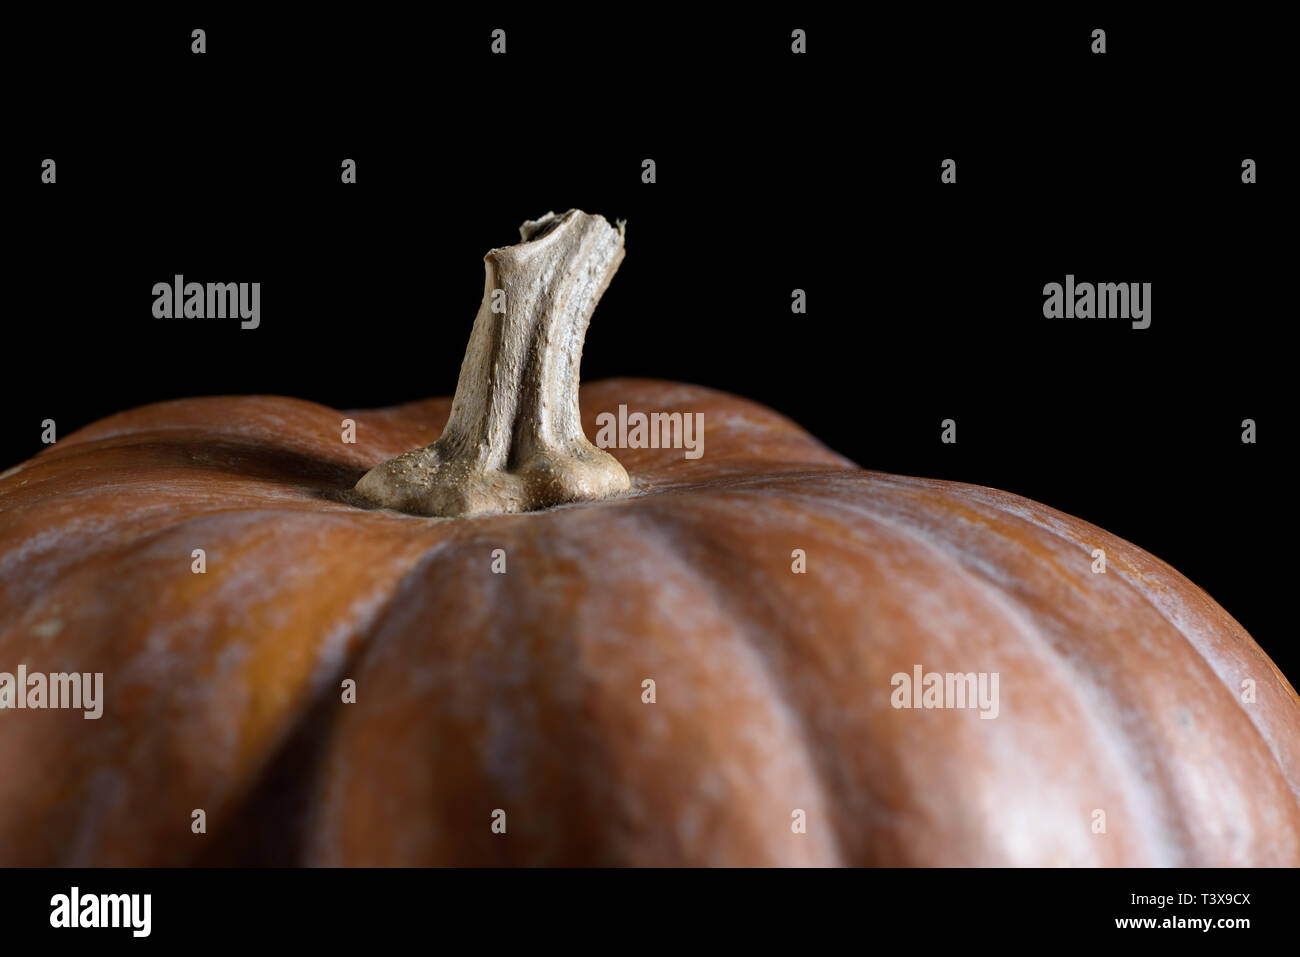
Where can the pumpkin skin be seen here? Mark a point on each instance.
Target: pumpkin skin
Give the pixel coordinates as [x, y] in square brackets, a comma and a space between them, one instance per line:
[523, 692]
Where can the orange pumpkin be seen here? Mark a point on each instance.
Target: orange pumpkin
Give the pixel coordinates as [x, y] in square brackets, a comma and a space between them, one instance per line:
[502, 713]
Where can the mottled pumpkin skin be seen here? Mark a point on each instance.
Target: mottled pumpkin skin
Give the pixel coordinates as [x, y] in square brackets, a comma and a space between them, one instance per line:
[523, 691]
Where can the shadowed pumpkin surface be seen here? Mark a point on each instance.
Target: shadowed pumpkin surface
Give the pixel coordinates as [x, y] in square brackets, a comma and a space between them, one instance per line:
[523, 691]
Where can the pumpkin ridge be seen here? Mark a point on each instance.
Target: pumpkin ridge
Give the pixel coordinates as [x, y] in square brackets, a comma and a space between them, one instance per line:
[670, 536]
[175, 415]
[116, 643]
[673, 533]
[1023, 511]
[1243, 642]
[1169, 786]
[743, 481]
[1097, 703]
[272, 820]
[1117, 753]
[573, 690]
[299, 471]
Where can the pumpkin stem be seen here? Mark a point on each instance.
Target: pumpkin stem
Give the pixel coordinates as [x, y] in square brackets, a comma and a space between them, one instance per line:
[514, 440]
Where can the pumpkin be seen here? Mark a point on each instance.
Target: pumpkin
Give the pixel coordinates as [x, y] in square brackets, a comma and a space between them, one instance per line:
[511, 647]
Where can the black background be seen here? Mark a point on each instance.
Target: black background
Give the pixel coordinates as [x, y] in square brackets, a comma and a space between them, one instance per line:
[740, 910]
[775, 172]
